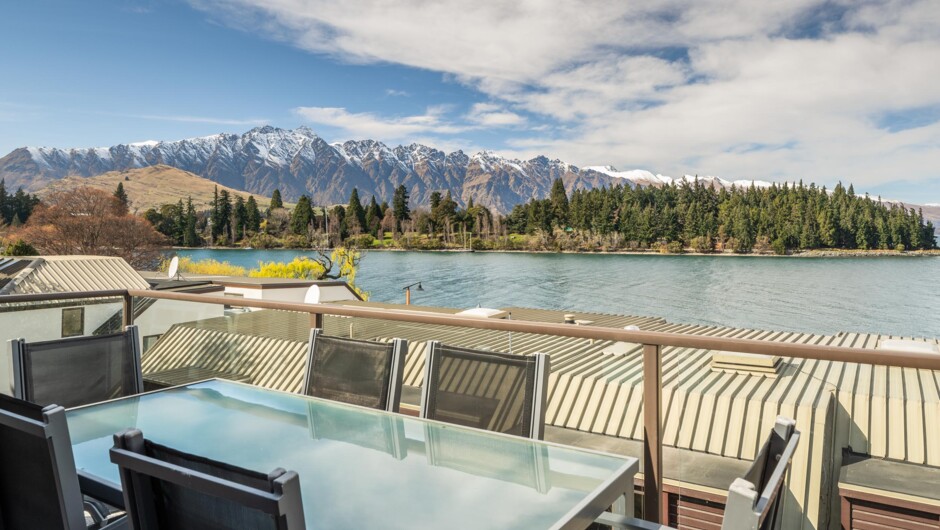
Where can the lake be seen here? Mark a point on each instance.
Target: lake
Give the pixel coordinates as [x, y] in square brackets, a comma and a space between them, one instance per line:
[890, 295]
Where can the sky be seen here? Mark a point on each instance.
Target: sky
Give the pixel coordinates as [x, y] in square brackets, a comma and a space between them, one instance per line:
[823, 91]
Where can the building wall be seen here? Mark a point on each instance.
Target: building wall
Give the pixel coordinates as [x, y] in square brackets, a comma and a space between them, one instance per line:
[332, 293]
[292, 294]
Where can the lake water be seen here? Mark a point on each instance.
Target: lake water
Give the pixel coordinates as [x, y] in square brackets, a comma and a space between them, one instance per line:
[890, 295]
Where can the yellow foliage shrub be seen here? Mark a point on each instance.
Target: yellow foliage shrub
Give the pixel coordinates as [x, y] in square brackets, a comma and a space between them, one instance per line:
[344, 261]
[300, 268]
[206, 266]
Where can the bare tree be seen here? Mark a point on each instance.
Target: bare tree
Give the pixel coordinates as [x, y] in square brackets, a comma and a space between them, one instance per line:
[90, 221]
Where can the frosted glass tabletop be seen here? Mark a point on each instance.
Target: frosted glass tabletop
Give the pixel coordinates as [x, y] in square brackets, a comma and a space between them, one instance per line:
[362, 468]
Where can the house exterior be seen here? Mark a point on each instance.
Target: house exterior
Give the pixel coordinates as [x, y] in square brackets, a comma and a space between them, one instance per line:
[41, 321]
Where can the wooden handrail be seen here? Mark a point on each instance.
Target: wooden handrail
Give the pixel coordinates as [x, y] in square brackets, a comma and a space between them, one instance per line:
[48, 297]
[804, 351]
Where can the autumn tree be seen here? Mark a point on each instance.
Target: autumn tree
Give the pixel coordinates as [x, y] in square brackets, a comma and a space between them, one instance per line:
[92, 222]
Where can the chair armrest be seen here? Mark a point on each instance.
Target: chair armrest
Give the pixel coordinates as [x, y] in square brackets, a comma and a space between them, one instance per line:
[120, 523]
[622, 522]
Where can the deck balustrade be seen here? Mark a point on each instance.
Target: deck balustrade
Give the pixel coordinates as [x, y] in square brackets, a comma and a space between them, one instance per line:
[652, 343]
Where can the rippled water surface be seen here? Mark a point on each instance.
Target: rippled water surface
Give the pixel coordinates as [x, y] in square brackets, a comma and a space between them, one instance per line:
[891, 295]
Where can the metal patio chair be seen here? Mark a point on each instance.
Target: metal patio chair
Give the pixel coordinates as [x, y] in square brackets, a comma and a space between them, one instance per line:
[488, 390]
[754, 499]
[167, 489]
[359, 372]
[38, 483]
[77, 371]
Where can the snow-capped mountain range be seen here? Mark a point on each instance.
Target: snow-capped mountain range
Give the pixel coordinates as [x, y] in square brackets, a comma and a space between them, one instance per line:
[300, 162]
[641, 177]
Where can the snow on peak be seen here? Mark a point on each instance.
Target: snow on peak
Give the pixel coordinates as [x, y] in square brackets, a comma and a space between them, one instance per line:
[637, 176]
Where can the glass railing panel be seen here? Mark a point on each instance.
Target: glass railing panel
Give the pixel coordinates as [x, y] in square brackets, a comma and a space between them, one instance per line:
[52, 320]
[192, 341]
[720, 409]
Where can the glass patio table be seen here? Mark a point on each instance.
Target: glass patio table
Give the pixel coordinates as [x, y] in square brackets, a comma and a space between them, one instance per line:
[360, 467]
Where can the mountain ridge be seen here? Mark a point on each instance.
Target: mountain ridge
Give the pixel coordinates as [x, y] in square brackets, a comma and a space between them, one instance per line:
[299, 162]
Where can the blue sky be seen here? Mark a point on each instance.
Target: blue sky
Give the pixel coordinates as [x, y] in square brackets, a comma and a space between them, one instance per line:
[819, 90]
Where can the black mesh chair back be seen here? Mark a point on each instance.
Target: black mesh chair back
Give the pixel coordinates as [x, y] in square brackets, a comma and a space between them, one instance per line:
[365, 373]
[493, 391]
[168, 489]
[77, 371]
[38, 484]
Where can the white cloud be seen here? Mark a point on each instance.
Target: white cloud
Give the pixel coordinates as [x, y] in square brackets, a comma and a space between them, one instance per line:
[370, 125]
[396, 93]
[435, 121]
[730, 87]
[493, 115]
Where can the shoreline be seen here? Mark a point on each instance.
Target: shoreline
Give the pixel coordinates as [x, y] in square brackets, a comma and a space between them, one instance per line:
[816, 253]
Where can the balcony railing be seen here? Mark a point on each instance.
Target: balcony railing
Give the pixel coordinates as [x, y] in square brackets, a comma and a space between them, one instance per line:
[652, 344]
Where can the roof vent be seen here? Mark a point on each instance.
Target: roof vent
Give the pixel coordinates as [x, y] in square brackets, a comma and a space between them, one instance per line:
[621, 349]
[483, 312]
[909, 346]
[746, 363]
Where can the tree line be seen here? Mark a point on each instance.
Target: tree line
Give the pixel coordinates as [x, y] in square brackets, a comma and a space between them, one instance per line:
[233, 219]
[780, 218]
[15, 208]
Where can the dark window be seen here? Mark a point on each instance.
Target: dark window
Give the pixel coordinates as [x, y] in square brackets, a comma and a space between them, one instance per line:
[73, 321]
[149, 341]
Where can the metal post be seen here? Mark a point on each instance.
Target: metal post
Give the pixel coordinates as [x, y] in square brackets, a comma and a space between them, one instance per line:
[128, 310]
[652, 431]
[407, 295]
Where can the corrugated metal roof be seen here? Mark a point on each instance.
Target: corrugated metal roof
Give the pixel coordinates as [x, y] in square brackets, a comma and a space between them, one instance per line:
[268, 362]
[284, 325]
[886, 412]
[62, 274]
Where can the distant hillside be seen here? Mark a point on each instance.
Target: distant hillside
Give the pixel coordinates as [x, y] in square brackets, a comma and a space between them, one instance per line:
[153, 186]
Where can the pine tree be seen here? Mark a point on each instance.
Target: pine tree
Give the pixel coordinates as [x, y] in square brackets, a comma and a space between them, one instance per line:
[179, 228]
[190, 236]
[22, 207]
[121, 196]
[355, 215]
[239, 219]
[6, 211]
[373, 217]
[253, 215]
[302, 216]
[559, 202]
[225, 215]
[276, 201]
[215, 216]
[400, 206]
